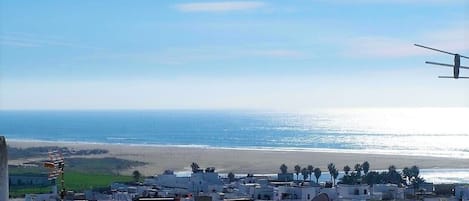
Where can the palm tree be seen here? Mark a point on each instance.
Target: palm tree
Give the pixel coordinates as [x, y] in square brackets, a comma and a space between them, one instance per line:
[297, 171]
[331, 168]
[392, 168]
[366, 167]
[231, 176]
[335, 174]
[371, 178]
[358, 169]
[210, 169]
[310, 171]
[417, 182]
[393, 176]
[195, 167]
[346, 169]
[283, 169]
[317, 174]
[304, 172]
[136, 175]
[415, 171]
[407, 174]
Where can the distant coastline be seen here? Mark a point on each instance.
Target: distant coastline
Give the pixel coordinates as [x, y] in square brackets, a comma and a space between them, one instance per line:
[272, 149]
[435, 132]
[159, 158]
[251, 142]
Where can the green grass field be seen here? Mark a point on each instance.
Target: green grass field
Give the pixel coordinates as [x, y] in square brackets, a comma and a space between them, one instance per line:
[80, 174]
[75, 181]
[79, 181]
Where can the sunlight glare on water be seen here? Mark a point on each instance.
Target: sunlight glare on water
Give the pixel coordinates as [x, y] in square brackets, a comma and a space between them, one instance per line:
[423, 131]
[404, 121]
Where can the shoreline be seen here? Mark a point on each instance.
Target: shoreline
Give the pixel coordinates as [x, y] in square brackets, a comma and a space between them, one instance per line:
[178, 158]
[404, 153]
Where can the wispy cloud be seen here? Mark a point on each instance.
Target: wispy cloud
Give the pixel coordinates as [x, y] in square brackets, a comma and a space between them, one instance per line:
[30, 40]
[454, 39]
[219, 6]
[394, 1]
[16, 43]
[178, 56]
[451, 39]
[279, 53]
[375, 46]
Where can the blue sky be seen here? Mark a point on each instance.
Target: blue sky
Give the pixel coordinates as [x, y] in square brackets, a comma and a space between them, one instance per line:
[230, 54]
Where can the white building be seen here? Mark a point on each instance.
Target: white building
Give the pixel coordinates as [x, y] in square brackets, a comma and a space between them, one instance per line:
[296, 193]
[168, 180]
[205, 182]
[353, 192]
[387, 192]
[257, 191]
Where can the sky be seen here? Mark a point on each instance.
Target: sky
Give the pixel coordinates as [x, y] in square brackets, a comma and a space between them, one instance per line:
[282, 55]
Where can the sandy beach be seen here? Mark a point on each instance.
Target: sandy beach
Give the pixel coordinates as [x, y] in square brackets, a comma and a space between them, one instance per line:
[159, 158]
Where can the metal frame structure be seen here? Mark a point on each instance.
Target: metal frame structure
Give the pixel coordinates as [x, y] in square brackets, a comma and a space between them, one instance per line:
[456, 66]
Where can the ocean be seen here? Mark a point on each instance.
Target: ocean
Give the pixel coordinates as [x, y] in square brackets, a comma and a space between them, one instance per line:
[411, 131]
[442, 132]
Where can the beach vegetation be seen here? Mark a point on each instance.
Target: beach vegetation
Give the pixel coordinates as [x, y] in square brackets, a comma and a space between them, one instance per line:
[284, 169]
[406, 174]
[137, 175]
[331, 168]
[31, 152]
[365, 167]
[407, 177]
[393, 177]
[231, 177]
[304, 173]
[346, 169]
[195, 167]
[373, 177]
[317, 174]
[310, 171]
[412, 177]
[358, 169]
[210, 169]
[335, 174]
[297, 171]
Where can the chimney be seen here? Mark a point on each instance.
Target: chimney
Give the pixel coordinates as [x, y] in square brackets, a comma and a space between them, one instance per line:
[3, 169]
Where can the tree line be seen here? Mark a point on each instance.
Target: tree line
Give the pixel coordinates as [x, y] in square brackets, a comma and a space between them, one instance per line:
[361, 174]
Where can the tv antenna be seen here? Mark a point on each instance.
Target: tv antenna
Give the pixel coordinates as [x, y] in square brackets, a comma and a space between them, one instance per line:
[456, 65]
